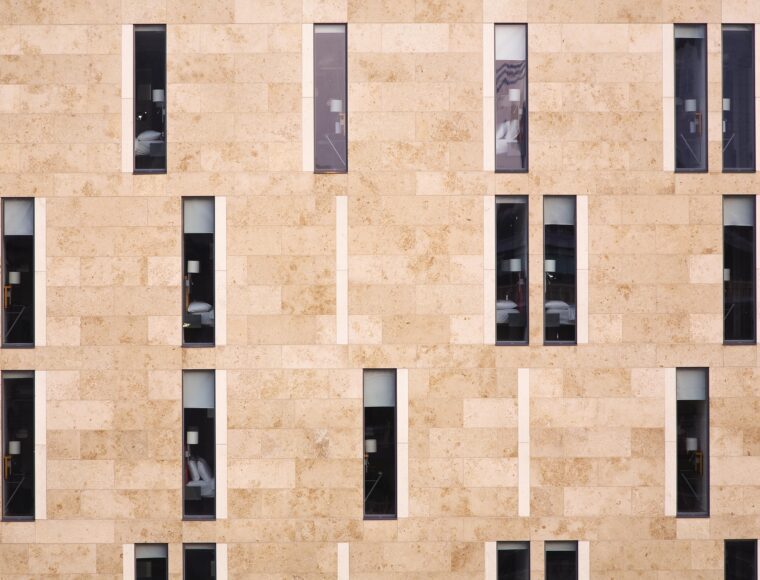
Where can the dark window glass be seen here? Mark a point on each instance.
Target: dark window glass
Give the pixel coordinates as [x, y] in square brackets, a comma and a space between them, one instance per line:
[151, 562]
[512, 269]
[741, 559]
[738, 97]
[691, 97]
[18, 272]
[513, 560]
[150, 99]
[330, 89]
[198, 265]
[380, 443]
[511, 93]
[739, 268]
[559, 269]
[199, 441]
[561, 560]
[693, 453]
[18, 444]
[200, 561]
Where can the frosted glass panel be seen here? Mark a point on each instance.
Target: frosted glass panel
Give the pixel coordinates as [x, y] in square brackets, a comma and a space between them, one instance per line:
[379, 388]
[510, 42]
[512, 545]
[150, 551]
[691, 384]
[559, 211]
[689, 31]
[561, 546]
[738, 211]
[18, 215]
[199, 215]
[329, 29]
[198, 389]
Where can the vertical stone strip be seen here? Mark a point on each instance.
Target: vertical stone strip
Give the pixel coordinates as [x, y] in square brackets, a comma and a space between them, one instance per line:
[668, 99]
[128, 561]
[40, 445]
[343, 561]
[670, 443]
[584, 560]
[307, 95]
[127, 98]
[489, 269]
[220, 274]
[581, 211]
[402, 442]
[490, 561]
[523, 442]
[489, 145]
[221, 445]
[221, 562]
[341, 269]
[40, 271]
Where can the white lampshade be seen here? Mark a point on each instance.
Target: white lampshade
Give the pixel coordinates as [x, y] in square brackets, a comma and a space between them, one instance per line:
[159, 96]
[336, 105]
[192, 438]
[511, 265]
[14, 447]
[14, 277]
[193, 266]
[690, 105]
[514, 95]
[550, 266]
[726, 104]
[692, 444]
[370, 446]
[726, 274]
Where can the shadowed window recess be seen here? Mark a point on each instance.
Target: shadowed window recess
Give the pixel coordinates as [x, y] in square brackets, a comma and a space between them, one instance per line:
[511, 95]
[738, 97]
[150, 99]
[200, 561]
[330, 94]
[561, 560]
[692, 441]
[380, 443]
[512, 269]
[151, 562]
[691, 97]
[513, 560]
[18, 272]
[198, 271]
[18, 444]
[560, 311]
[199, 443]
[740, 560]
[739, 302]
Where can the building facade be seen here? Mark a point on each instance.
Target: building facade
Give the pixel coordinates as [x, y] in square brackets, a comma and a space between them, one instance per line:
[379, 289]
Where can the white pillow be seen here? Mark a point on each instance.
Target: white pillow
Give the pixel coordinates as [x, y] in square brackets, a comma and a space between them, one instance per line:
[195, 307]
[149, 135]
[193, 466]
[503, 304]
[501, 132]
[556, 304]
[204, 470]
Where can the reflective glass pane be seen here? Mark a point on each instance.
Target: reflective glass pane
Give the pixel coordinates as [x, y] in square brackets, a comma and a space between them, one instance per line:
[512, 269]
[738, 97]
[380, 442]
[18, 444]
[330, 90]
[151, 562]
[199, 440]
[150, 98]
[561, 560]
[18, 272]
[691, 97]
[741, 560]
[513, 560]
[559, 269]
[692, 441]
[198, 271]
[511, 94]
[200, 561]
[739, 268]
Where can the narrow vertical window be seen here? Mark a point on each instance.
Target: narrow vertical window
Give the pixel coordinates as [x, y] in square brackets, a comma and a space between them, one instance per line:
[18, 445]
[200, 561]
[198, 274]
[512, 269]
[18, 272]
[199, 443]
[740, 560]
[691, 97]
[559, 269]
[561, 560]
[150, 99]
[513, 560]
[511, 93]
[738, 97]
[151, 562]
[380, 443]
[330, 92]
[739, 268]
[692, 440]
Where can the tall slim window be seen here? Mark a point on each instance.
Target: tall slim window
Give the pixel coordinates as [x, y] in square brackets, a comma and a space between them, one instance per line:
[513, 560]
[512, 269]
[691, 97]
[739, 268]
[740, 560]
[18, 445]
[379, 443]
[18, 272]
[511, 95]
[559, 269]
[738, 97]
[199, 442]
[151, 562]
[200, 561]
[561, 560]
[198, 265]
[692, 441]
[150, 99]
[330, 93]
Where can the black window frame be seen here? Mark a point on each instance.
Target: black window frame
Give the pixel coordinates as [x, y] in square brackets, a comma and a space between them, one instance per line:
[726, 543]
[201, 517]
[527, 101]
[5, 439]
[753, 125]
[577, 562]
[527, 550]
[753, 340]
[149, 171]
[525, 342]
[166, 559]
[706, 466]
[314, 96]
[365, 515]
[183, 305]
[706, 168]
[33, 266]
[184, 556]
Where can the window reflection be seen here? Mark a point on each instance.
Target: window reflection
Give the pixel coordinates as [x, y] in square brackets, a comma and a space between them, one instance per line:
[18, 444]
[513, 560]
[151, 562]
[691, 97]
[380, 443]
[200, 561]
[330, 143]
[512, 269]
[511, 93]
[559, 269]
[739, 268]
[199, 441]
[740, 560]
[738, 97]
[561, 560]
[198, 270]
[692, 434]
[150, 98]
[18, 272]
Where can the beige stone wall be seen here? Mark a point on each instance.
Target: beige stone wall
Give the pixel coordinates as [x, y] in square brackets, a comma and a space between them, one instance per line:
[415, 295]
